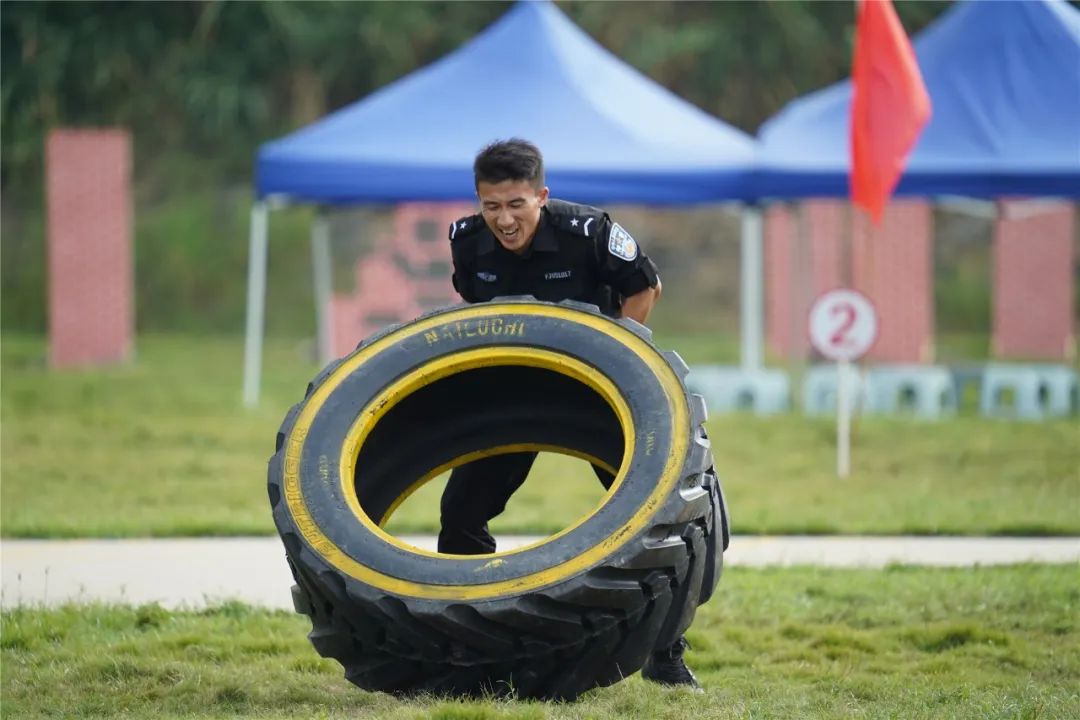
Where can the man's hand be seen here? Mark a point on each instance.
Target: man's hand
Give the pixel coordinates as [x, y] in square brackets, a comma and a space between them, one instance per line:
[638, 306]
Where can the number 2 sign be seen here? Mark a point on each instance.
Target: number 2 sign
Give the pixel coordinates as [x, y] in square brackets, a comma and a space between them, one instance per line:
[843, 324]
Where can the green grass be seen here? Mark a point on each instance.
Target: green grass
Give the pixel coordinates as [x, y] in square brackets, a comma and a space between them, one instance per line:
[162, 447]
[907, 643]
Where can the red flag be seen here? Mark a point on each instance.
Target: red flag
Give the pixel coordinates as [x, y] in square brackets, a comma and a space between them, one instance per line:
[889, 105]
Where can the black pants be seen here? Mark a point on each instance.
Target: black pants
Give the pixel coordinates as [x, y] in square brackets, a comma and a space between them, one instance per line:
[477, 492]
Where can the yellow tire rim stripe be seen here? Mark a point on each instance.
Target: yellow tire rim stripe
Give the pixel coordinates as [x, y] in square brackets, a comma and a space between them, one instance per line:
[333, 555]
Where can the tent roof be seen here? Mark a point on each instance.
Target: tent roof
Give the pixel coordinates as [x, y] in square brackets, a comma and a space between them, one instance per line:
[608, 133]
[1004, 80]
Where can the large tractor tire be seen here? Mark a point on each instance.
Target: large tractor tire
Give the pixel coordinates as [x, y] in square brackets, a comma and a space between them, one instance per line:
[580, 609]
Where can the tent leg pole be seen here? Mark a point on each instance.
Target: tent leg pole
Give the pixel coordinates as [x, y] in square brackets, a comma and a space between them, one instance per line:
[256, 300]
[321, 280]
[751, 306]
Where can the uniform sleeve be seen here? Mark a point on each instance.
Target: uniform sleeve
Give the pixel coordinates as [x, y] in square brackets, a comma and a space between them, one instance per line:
[622, 263]
[462, 276]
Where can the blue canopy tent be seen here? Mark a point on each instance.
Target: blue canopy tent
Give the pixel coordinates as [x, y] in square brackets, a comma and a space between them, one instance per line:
[608, 133]
[1004, 81]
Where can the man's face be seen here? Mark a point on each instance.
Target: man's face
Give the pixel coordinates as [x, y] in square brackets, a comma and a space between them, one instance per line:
[511, 209]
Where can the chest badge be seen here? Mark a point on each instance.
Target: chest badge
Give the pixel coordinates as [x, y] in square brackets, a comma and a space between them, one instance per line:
[486, 276]
[558, 275]
[620, 244]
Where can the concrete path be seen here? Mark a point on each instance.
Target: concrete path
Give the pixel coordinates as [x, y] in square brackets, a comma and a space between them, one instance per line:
[199, 571]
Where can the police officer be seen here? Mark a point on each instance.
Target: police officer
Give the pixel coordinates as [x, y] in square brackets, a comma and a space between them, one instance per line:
[525, 243]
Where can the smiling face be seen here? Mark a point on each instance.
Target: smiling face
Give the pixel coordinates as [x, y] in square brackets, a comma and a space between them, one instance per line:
[511, 209]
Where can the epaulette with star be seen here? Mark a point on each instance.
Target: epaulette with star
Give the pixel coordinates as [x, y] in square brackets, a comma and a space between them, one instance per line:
[465, 226]
[578, 219]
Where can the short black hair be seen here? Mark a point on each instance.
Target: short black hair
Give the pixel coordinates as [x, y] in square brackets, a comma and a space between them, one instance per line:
[514, 159]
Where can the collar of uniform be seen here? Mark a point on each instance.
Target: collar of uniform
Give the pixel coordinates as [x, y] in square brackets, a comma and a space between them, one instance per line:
[543, 241]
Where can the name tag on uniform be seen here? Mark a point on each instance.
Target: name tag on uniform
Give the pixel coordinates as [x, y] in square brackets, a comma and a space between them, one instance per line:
[487, 277]
[557, 275]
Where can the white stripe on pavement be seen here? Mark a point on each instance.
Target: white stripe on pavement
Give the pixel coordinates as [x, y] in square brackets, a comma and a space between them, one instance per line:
[195, 572]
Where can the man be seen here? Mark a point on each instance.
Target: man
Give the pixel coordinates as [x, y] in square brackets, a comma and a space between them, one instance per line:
[525, 243]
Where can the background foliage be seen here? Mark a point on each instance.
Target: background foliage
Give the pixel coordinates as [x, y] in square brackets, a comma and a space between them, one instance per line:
[202, 84]
[217, 78]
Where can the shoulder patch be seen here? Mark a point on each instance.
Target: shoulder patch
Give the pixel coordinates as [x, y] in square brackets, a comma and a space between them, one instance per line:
[620, 244]
[465, 226]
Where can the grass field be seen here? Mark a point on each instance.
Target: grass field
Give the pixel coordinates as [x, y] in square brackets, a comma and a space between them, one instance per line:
[162, 447]
[794, 643]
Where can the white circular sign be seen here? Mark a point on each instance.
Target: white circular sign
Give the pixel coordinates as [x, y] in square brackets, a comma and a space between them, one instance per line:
[843, 324]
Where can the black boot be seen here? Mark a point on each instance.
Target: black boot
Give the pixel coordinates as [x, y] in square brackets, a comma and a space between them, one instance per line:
[667, 667]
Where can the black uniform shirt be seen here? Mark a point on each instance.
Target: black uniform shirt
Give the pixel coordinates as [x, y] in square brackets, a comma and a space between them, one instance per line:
[577, 253]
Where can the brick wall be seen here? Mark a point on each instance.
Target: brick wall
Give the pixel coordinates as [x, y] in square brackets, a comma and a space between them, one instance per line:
[1034, 281]
[892, 264]
[407, 273]
[820, 245]
[90, 273]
